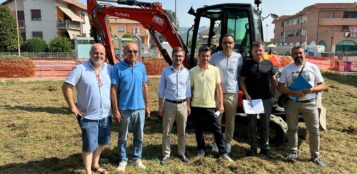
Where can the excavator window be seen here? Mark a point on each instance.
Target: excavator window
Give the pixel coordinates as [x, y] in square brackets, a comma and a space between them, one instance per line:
[238, 27]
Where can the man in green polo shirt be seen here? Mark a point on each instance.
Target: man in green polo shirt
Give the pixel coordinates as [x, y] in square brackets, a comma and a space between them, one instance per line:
[205, 85]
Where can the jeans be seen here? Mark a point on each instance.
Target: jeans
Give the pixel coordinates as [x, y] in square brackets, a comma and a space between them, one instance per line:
[135, 118]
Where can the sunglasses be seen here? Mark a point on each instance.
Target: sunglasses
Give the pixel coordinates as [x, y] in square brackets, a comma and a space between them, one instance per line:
[132, 51]
[227, 42]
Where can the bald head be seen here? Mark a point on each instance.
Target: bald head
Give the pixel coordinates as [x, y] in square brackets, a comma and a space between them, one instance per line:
[97, 54]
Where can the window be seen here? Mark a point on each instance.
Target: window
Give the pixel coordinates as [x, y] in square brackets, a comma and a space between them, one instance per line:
[20, 15]
[330, 30]
[36, 15]
[331, 15]
[121, 29]
[136, 30]
[23, 35]
[37, 34]
[350, 14]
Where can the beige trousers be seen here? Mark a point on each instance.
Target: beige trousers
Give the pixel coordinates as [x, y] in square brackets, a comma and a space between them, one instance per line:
[230, 109]
[311, 119]
[174, 112]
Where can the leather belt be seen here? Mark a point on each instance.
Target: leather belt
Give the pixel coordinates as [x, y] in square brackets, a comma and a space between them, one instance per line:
[304, 101]
[176, 101]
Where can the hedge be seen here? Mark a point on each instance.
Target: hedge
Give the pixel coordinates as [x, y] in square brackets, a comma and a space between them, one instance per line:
[14, 67]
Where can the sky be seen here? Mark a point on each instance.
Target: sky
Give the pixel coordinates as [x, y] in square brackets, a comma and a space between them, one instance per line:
[279, 7]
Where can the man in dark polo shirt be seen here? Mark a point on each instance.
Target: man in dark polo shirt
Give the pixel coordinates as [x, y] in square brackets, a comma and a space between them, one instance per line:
[257, 81]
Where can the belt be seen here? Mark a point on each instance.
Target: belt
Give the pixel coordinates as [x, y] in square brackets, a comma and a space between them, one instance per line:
[304, 101]
[176, 101]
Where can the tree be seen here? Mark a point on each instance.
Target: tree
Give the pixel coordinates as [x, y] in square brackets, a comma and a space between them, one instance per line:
[60, 44]
[8, 32]
[171, 14]
[34, 44]
[128, 35]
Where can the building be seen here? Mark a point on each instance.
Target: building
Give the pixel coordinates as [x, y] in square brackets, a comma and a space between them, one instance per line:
[333, 25]
[119, 27]
[50, 18]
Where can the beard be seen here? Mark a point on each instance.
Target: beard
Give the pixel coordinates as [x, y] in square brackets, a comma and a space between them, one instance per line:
[298, 60]
[97, 63]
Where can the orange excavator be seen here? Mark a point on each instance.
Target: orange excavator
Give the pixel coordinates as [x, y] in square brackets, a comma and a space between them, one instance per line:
[242, 21]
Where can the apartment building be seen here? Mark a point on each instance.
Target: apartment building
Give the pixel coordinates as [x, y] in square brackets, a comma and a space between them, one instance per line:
[50, 18]
[333, 25]
[119, 27]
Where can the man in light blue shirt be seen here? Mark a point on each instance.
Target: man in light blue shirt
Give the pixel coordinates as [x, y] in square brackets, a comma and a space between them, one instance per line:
[129, 96]
[174, 103]
[229, 64]
[93, 109]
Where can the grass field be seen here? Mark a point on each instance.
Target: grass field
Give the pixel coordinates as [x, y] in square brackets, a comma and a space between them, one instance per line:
[38, 135]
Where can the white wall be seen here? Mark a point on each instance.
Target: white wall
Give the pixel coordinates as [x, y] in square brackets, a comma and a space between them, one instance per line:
[48, 23]
[86, 26]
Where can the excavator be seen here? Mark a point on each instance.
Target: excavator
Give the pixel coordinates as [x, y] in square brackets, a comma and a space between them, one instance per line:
[243, 21]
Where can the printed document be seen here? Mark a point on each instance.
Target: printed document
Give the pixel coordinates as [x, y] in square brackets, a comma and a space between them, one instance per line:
[253, 106]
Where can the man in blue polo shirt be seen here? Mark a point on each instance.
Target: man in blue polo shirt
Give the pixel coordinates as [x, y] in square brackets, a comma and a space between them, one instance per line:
[93, 108]
[129, 96]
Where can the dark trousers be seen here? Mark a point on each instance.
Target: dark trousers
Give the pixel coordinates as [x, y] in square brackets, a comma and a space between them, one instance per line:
[203, 119]
[264, 127]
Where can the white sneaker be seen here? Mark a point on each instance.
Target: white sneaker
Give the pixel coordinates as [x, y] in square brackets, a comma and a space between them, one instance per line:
[228, 147]
[140, 165]
[214, 148]
[121, 167]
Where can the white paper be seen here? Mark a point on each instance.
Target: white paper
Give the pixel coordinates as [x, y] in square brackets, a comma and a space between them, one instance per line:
[253, 106]
[217, 114]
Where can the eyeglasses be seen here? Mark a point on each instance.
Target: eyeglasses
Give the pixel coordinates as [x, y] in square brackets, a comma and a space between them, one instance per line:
[133, 51]
[228, 42]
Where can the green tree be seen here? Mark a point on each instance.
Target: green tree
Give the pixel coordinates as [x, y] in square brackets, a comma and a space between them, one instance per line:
[34, 44]
[171, 15]
[8, 33]
[60, 44]
[128, 35]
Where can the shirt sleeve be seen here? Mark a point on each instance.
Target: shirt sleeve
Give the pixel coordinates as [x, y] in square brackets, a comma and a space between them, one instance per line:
[239, 68]
[74, 76]
[318, 78]
[162, 85]
[244, 71]
[188, 86]
[144, 74]
[115, 75]
[218, 77]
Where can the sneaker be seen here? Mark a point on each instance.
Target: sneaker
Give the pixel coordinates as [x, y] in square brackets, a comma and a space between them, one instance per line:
[184, 158]
[139, 164]
[228, 148]
[165, 160]
[200, 153]
[318, 161]
[121, 167]
[291, 157]
[267, 153]
[215, 148]
[226, 157]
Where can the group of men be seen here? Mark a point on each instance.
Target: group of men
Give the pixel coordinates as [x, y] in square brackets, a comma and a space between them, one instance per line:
[205, 92]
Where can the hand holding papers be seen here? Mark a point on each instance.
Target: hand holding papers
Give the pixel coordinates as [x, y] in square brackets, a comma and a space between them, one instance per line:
[253, 106]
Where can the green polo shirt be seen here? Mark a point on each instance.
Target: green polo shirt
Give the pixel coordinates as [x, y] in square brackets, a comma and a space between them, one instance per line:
[203, 83]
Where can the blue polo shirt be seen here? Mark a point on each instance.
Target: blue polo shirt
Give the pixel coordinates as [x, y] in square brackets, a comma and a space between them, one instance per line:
[130, 81]
[93, 94]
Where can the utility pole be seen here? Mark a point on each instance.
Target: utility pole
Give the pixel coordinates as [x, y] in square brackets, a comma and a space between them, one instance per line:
[17, 30]
[266, 33]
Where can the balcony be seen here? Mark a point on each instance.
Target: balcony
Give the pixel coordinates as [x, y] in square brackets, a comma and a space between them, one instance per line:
[338, 21]
[69, 25]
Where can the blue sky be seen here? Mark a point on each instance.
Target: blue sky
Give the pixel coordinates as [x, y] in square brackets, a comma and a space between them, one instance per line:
[279, 7]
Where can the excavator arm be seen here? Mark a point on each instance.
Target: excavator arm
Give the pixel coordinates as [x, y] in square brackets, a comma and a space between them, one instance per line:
[150, 15]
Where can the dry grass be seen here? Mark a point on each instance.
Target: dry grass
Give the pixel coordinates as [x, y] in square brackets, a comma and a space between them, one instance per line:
[38, 135]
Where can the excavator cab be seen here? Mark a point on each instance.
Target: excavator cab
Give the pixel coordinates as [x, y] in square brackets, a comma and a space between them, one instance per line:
[242, 21]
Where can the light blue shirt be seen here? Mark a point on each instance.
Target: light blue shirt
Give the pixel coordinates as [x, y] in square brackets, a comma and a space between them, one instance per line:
[229, 68]
[174, 85]
[93, 94]
[130, 81]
